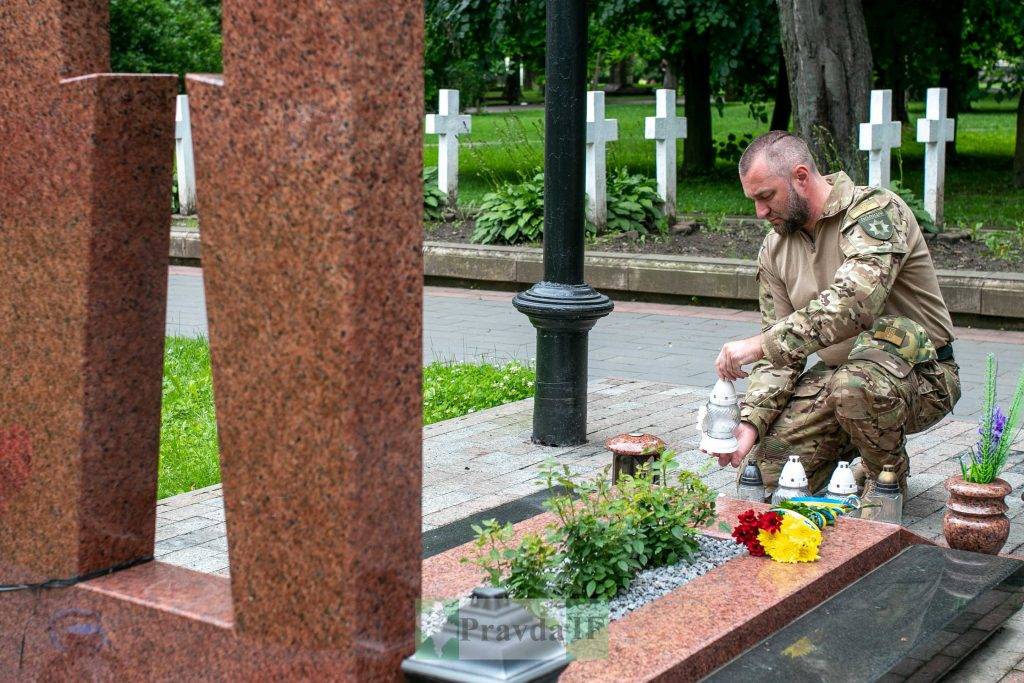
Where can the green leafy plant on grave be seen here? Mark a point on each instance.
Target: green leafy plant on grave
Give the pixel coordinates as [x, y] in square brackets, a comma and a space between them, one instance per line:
[603, 535]
[997, 431]
[1005, 244]
[513, 213]
[434, 199]
[633, 204]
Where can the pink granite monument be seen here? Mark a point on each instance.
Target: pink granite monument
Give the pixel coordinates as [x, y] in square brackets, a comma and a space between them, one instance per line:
[311, 211]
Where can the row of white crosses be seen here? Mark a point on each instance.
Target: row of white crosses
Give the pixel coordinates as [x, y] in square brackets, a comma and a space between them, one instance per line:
[664, 128]
[881, 134]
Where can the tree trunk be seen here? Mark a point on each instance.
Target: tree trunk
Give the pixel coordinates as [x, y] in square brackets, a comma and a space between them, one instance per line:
[828, 60]
[698, 152]
[783, 108]
[528, 77]
[951, 71]
[596, 75]
[619, 77]
[669, 80]
[512, 92]
[1018, 152]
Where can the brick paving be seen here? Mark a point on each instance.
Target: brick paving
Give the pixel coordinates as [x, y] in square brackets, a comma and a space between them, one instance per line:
[661, 355]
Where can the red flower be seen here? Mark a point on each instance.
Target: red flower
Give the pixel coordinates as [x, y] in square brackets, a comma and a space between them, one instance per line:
[770, 521]
[750, 523]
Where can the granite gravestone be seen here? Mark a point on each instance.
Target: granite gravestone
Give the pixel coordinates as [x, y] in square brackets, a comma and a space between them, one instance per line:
[314, 287]
[85, 174]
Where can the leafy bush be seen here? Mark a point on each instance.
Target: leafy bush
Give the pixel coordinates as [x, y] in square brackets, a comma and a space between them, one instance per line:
[1002, 244]
[165, 36]
[513, 213]
[916, 206]
[633, 204]
[731, 149]
[602, 537]
[434, 199]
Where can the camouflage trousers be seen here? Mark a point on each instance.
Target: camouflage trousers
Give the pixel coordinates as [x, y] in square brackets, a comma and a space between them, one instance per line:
[860, 408]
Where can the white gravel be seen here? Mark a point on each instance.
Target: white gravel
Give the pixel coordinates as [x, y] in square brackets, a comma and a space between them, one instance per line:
[651, 584]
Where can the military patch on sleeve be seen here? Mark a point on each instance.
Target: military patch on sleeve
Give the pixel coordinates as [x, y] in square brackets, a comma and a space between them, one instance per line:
[893, 335]
[877, 224]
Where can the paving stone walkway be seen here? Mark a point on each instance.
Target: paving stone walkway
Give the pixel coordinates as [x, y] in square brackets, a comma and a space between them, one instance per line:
[657, 342]
[659, 356]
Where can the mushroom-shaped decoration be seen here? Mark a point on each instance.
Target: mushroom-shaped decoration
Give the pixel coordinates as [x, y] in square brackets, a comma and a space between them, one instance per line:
[630, 451]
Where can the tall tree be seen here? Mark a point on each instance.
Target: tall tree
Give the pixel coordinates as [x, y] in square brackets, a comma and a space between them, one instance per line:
[994, 46]
[783, 109]
[704, 42]
[828, 60]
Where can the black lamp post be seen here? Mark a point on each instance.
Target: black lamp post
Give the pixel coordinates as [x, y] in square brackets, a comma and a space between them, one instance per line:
[563, 307]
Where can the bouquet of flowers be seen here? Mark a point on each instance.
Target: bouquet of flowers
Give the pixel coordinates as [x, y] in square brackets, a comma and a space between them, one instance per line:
[986, 459]
[790, 532]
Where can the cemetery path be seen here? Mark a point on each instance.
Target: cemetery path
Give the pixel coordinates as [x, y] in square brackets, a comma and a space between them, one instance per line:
[656, 342]
[662, 357]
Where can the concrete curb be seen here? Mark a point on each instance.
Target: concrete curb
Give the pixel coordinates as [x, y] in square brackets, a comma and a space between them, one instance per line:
[967, 293]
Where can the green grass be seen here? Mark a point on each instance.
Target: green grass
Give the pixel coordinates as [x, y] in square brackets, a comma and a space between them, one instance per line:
[454, 389]
[188, 427]
[978, 189]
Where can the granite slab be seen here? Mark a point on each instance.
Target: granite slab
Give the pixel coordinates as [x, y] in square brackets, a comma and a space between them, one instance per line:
[708, 621]
[914, 617]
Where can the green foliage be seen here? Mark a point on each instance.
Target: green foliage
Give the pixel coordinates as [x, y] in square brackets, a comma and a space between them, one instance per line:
[454, 389]
[633, 204]
[916, 206]
[989, 456]
[1002, 244]
[165, 36]
[434, 200]
[466, 42]
[603, 537]
[731, 149]
[513, 213]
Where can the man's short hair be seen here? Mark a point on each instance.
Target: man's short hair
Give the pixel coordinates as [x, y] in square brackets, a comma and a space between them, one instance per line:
[782, 151]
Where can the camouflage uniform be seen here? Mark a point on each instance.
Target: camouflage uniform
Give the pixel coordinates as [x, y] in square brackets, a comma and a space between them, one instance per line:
[891, 383]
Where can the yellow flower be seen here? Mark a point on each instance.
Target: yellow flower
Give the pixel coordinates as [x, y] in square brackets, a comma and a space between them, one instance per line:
[796, 541]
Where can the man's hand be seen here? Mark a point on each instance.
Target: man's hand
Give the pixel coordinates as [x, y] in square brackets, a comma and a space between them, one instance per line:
[735, 354]
[746, 435]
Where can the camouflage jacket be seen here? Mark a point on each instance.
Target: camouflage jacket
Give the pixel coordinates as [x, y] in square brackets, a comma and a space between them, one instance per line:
[867, 229]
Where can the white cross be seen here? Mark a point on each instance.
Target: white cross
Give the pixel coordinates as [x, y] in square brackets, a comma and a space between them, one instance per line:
[599, 131]
[448, 125]
[879, 136]
[935, 130]
[665, 127]
[185, 162]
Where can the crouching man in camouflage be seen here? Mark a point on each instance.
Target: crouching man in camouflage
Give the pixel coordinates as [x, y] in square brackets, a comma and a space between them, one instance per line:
[845, 274]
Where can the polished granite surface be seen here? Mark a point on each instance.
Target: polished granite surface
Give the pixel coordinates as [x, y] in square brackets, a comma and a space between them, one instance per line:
[916, 615]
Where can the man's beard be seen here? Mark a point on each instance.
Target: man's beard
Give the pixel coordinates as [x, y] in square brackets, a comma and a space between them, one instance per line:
[797, 213]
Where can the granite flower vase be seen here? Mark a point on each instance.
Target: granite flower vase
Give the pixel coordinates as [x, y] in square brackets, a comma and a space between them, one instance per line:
[975, 518]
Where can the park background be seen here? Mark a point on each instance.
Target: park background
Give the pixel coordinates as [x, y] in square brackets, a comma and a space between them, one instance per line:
[727, 59]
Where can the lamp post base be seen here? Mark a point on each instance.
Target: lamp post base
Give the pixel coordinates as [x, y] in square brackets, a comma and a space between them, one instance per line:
[563, 316]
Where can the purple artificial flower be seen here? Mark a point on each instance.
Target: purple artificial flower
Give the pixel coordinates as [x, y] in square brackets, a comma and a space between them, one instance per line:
[998, 425]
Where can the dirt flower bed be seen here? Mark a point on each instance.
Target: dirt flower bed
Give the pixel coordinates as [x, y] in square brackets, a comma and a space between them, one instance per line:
[955, 251]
